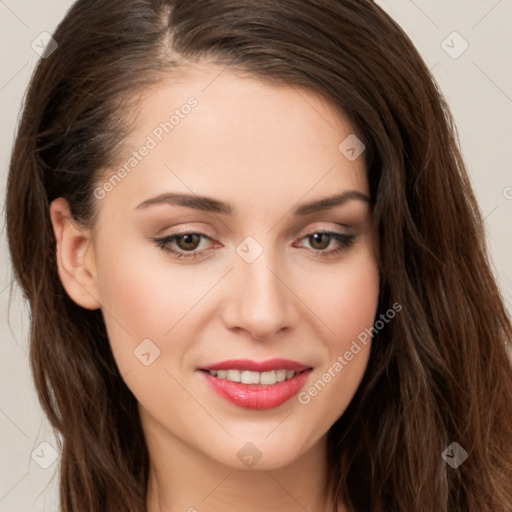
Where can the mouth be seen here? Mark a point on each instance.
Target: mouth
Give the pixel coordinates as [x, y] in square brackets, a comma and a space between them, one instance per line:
[256, 385]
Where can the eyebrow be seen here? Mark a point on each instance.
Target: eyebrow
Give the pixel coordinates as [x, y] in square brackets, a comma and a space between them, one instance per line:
[208, 204]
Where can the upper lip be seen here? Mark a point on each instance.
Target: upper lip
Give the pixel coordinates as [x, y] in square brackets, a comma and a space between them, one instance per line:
[257, 366]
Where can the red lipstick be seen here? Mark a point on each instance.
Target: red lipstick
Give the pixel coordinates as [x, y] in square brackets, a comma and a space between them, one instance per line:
[257, 396]
[257, 366]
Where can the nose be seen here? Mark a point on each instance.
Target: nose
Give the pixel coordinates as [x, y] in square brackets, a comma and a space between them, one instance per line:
[259, 299]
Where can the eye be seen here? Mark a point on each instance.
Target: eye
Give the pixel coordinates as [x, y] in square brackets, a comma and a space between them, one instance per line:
[188, 242]
[320, 240]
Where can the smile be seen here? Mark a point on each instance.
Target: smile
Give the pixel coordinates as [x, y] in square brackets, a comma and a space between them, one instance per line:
[256, 385]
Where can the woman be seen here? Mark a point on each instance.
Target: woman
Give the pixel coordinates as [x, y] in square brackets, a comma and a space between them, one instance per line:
[176, 170]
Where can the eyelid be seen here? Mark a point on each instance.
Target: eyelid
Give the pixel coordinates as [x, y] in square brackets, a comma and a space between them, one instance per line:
[188, 230]
[344, 241]
[163, 241]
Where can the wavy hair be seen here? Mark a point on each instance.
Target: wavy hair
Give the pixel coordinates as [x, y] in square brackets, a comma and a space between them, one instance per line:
[438, 373]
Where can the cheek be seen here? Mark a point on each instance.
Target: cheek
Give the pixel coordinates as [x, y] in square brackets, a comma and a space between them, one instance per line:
[355, 307]
[145, 297]
[346, 298]
[144, 289]
[137, 302]
[348, 308]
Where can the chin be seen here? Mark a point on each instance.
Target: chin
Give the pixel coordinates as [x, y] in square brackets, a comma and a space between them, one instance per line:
[253, 453]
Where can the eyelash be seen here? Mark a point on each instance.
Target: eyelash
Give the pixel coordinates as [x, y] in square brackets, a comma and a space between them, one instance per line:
[343, 239]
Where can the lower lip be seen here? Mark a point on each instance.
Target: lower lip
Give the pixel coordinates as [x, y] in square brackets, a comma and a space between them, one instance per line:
[257, 396]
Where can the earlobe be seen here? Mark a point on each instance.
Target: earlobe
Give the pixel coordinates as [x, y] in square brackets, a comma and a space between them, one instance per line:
[75, 256]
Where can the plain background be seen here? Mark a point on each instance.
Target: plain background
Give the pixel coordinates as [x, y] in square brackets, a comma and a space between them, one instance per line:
[478, 87]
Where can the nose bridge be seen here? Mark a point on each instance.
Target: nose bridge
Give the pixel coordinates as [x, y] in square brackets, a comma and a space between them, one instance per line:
[261, 303]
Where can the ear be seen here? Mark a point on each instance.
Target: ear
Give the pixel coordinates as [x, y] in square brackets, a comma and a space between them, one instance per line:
[75, 256]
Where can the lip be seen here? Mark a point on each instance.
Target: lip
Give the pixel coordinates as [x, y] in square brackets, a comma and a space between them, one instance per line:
[258, 366]
[257, 396]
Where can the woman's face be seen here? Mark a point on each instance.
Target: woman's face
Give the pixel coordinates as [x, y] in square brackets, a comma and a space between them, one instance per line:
[251, 281]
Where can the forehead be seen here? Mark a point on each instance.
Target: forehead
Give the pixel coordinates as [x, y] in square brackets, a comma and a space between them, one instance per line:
[214, 131]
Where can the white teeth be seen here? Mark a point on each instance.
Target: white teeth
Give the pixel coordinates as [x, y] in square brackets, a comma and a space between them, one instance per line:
[268, 377]
[248, 377]
[281, 375]
[233, 375]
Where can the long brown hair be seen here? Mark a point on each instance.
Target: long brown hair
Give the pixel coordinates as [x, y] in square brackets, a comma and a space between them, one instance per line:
[438, 373]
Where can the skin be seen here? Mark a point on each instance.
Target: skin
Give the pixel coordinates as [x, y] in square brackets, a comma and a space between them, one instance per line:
[264, 149]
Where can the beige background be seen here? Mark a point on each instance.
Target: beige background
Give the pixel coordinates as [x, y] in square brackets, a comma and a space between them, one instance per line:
[478, 87]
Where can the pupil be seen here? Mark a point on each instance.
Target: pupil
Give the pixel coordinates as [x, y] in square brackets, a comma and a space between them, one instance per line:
[188, 239]
[317, 237]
